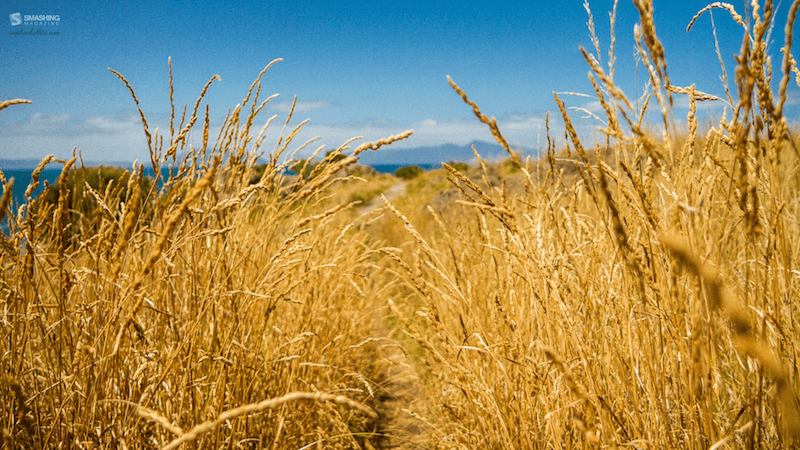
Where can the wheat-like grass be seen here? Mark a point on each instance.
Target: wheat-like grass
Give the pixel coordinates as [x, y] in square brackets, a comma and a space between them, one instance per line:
[230, 292]
[141, 115]
[8, 190]
[261, 406]
[726, 6]
[171, 223]
[17, 101]
[748, 342]
[638, 293]
[647, 349]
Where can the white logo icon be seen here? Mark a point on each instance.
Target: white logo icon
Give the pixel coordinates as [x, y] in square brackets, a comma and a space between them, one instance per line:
[16, 19]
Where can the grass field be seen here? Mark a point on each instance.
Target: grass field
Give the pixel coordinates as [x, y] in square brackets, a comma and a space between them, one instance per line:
[639, 293]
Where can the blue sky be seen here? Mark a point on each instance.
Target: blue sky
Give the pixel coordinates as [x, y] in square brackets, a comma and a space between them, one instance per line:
[358, 68]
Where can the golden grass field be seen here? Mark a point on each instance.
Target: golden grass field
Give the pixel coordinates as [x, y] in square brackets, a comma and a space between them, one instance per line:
[641, 293]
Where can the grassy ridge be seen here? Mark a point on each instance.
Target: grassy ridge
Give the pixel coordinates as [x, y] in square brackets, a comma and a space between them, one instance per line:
[639, 294]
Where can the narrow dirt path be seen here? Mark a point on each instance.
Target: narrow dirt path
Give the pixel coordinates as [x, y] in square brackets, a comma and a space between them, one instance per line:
[401, 394]
[402, 397]
[392, 193]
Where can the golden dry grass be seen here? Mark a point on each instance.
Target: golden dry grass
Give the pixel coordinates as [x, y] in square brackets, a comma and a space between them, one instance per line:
[637, 294]
[645, 297]
[190, 307]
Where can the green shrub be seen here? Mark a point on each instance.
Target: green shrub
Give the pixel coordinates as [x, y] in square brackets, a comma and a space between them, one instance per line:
[459, 166]
[408, 172]
[510, 167]
[110, 184]
[338, 156]
[98, 178]
[303, 168]
[258, 172]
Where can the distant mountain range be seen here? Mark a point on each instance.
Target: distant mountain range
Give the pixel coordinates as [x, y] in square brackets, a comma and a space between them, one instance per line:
[387, 155]
[437, 154]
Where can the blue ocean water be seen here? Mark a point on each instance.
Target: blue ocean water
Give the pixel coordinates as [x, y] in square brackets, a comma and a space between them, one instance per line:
[391, 168]
[22, 179]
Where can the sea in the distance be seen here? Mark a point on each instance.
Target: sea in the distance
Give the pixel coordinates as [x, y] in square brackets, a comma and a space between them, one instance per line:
[22, 178]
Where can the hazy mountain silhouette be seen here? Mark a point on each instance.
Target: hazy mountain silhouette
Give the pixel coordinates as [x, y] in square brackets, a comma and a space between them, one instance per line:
[436, 154]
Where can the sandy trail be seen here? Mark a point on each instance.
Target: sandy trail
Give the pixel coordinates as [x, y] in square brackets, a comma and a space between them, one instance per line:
[392, 193]
[402, 396]
[401, 392]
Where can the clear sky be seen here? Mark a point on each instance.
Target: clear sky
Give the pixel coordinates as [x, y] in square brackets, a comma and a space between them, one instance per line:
[358, 68]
